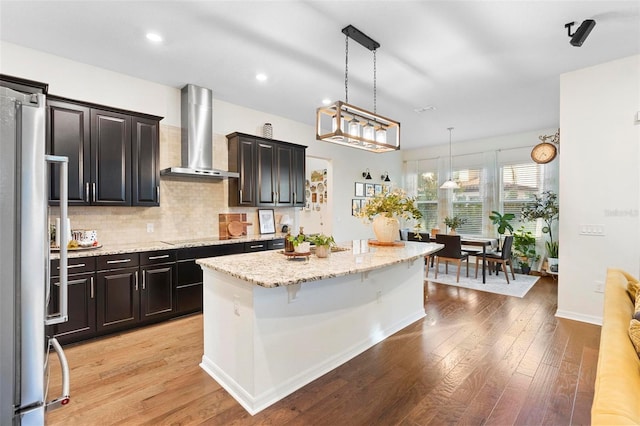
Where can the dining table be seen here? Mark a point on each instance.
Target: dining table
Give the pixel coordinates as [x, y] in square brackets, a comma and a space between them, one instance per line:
[478, 241]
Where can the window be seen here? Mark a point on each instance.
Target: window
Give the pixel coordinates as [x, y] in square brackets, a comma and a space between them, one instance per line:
[467, 200]
[520, 182]
[427, 199]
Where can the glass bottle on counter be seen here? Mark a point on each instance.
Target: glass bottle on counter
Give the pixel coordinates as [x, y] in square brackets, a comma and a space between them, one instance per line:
[288, 245]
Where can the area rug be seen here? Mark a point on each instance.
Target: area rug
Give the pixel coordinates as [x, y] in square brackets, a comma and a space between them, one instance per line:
[495, 284]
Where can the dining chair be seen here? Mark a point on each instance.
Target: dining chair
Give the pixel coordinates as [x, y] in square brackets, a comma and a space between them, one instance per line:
[408, 235]
[451, 252]
[503, 258]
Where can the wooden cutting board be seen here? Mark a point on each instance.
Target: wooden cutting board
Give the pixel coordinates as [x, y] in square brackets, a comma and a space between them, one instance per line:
[235, 228]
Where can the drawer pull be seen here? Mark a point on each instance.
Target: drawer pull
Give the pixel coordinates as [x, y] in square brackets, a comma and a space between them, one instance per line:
[164, 256]
[110, 262]
[257, 246]
[79, 265]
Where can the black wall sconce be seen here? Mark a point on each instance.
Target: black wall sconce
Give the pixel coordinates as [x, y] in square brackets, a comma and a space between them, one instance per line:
[385, 177]
[366, 175]
[581, 34]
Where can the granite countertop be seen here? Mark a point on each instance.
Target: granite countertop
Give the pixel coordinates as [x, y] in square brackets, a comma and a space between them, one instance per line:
[166, 245]
[274, 269]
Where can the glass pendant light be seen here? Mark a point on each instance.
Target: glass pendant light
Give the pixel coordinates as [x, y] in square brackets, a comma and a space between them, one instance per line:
[368, 131]
[450, 183]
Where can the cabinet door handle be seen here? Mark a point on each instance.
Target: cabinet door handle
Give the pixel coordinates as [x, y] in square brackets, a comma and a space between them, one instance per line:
[91, 279]
[94, 191]
[158, 194]
[144, 279]
[86, 192]
[240, 195]
[118, 261]
[164, 256]
[136, 274]
[295, 198]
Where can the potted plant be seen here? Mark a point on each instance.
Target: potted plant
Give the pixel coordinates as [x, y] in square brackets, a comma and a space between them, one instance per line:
[385, 209]
[545, 207]
[503, 222]
[300, 243]
[524, 249]
[454, 223]
[323, 244]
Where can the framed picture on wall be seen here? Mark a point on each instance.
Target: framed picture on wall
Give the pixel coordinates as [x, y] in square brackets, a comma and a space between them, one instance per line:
[267, 221]
[369, 190]
[356, 204]
[378, 188]
[359, 189]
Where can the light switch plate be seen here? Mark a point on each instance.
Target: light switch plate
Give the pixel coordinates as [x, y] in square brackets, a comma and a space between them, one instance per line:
[592, 230]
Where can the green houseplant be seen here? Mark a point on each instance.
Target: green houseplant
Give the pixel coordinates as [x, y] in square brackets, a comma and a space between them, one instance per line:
[502, 221]
[454, 222]
[385, 209]
[323, 244]
[300, 243]
[545, 207]
[524, 249]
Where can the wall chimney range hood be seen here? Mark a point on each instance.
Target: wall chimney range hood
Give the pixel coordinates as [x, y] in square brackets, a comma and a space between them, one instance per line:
[197, 136]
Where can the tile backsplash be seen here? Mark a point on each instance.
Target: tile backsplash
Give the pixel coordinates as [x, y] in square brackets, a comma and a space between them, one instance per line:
[188, 208]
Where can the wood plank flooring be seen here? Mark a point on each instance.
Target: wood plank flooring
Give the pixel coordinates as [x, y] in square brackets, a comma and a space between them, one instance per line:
[477, 358]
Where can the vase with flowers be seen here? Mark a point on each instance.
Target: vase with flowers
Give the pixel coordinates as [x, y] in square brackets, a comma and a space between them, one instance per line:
[454, 223]
[384, 211]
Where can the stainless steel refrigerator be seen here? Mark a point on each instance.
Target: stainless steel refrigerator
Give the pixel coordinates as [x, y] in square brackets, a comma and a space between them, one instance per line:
[24, 262]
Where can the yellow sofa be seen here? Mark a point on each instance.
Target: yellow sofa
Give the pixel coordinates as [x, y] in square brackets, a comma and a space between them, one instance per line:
[616, 399]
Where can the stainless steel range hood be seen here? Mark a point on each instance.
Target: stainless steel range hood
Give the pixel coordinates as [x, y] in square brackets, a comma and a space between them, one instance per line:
[197, 136]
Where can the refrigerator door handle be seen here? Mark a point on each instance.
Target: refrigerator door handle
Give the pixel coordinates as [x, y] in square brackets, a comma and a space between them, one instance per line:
[63, 399]
[62, 315]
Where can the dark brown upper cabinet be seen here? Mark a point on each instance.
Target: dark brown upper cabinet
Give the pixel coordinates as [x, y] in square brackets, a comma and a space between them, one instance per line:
[272, 173]
[113, 154]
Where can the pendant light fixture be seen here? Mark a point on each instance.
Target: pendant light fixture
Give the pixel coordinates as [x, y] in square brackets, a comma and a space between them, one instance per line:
[450, 183]
[351, 125]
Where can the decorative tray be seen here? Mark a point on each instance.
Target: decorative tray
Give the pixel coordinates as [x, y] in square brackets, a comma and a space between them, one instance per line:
[294, 255]
[79, 248]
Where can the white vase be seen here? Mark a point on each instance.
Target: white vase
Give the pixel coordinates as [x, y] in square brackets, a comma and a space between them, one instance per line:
[323, 251]
[387, 229]
[303, 247]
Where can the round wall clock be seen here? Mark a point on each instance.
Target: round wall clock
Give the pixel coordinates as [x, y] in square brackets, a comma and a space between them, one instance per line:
[544, 152]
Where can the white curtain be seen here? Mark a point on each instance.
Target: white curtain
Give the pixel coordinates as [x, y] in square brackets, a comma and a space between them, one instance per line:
[489, 190]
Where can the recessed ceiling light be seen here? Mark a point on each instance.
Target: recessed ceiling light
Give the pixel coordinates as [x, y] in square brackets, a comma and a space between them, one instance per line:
[326, 102]
[424, 109]
[261, 77]
[154, 37]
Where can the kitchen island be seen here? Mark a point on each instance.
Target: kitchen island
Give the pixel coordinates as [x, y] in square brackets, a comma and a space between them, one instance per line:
[272, 324]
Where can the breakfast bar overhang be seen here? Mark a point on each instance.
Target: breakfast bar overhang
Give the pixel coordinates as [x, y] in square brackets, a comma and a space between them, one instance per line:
[273, 324]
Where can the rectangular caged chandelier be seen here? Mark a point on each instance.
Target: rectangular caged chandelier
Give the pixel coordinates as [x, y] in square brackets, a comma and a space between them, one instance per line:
[352, 126]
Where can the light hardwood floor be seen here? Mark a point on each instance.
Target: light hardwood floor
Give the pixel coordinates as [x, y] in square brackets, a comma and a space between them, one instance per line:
[477, 358]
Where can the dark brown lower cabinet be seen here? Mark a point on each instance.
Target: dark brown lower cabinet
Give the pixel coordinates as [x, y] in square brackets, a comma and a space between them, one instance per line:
[81, 305]
[118, 299]
[156, 297]
[107, 294]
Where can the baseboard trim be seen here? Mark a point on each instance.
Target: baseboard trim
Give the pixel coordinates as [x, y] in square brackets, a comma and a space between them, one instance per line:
[590, 319]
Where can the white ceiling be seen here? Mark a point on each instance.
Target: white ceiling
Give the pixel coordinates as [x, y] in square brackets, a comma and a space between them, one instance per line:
[488, 67]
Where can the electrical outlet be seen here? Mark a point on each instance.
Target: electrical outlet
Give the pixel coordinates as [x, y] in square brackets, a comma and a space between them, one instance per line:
[149, 227]
[599, 288]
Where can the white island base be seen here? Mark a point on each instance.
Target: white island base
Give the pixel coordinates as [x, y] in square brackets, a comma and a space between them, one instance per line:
[261, 344]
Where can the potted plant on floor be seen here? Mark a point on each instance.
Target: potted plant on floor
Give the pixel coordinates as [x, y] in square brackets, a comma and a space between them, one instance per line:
[323, 244]
[545, 207]
[503, 222]
[454, 223]
[524, 249]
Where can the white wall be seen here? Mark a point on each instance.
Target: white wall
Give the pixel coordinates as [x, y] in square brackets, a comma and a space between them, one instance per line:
[88, 83]
[599, 181]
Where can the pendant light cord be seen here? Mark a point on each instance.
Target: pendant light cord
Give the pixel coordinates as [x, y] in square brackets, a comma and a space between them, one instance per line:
[450, 161]
[374, 82]
[346, 69]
